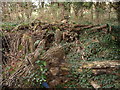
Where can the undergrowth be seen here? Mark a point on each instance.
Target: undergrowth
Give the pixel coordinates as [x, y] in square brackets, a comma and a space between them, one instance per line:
[98, 46]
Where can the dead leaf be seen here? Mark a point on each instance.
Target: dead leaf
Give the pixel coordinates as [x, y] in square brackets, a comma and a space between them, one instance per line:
[95, 40]
[95, 84]
[64, 68]
[54, 71]
[79, 70]
[113, 38]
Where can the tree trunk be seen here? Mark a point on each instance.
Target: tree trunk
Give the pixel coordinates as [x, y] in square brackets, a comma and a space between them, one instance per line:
[61, 4]
[92, 13]
[116, 6]
[109, 10]
[42, 4]
[76, 13]
[118, 15]
[97, 16]
[97, 12]
[110, 14]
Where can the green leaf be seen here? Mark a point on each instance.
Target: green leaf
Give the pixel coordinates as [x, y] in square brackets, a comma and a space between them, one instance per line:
[37, 42]
[32, 75]
[43, 76]
[41, 69]
[7, 68]
[37, 79]
[44, 63]
[38, 61]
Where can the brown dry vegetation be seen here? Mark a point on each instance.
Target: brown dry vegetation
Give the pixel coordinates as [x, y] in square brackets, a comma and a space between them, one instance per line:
[60, 46]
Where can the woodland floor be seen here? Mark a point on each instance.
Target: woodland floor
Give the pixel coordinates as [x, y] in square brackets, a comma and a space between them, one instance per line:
[63, 55]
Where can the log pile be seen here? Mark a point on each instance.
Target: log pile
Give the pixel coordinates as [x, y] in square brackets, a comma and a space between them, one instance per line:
[27, 43]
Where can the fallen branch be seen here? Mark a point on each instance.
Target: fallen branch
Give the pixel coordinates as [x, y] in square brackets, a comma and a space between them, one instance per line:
[87, 27]
[79, 26]
[101, 64]
[99, 27]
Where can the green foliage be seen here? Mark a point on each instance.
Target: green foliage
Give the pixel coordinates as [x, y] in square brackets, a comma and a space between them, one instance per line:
[104, 47]
[1, 34]
[77, 6]
[107, 81]
[88, 4]
[67, 5]
[8, 26]
[80, 5]
[38, 76]
[36, 42]
[67, 47]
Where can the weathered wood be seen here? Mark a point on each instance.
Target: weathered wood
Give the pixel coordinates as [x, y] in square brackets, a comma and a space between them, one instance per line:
[81, 25]
[95, 84]
[58, 36]
[39, 49]
[87, 27]
[99, 27]
[54, 52]
[101, 64]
